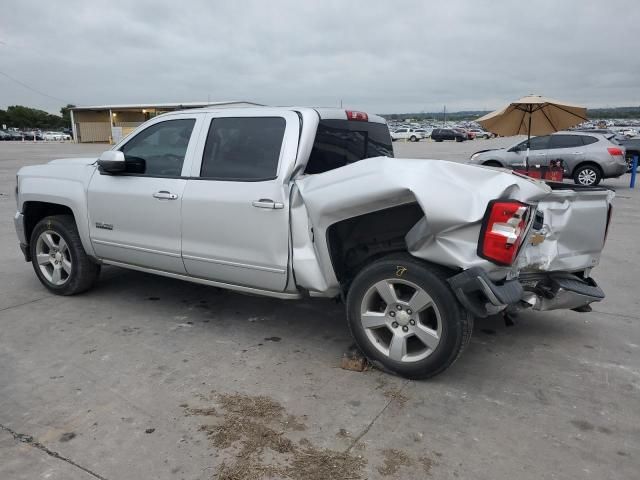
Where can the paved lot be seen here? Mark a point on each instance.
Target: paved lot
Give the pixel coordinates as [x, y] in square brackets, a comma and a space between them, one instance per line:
[151, 378]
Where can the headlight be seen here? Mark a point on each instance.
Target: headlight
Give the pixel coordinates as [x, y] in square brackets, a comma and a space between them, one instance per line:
[474, 156]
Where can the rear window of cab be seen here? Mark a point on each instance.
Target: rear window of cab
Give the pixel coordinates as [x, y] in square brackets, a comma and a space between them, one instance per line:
[341, 142]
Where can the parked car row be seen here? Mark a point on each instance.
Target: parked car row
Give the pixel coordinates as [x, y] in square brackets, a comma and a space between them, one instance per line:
[34, 135]
[439, 134]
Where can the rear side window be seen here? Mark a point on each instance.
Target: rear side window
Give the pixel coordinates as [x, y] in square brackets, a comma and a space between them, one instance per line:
[588, 140]
[566, 141]
[243, 148]
[341, 142]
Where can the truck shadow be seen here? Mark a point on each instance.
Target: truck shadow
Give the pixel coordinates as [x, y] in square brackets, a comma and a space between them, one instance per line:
[316, 325]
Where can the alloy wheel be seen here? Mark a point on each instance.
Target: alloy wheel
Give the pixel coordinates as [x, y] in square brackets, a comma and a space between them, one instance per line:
[401, 320]
[587, 176]
[53, 257]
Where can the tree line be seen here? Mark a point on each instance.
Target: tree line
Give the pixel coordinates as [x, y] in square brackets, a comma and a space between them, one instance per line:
[20, 117]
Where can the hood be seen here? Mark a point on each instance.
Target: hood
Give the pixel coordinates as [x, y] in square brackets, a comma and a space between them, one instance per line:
[73, 161]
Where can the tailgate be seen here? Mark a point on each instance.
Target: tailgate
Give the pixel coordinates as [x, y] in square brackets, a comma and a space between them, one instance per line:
[570, 234]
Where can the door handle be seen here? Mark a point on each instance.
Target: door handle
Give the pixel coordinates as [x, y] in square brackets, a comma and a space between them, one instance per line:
[164, 195]
[267, 203]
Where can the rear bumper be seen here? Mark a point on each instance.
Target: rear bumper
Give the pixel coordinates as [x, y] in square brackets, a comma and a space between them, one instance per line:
[549, 291]
[614, 169]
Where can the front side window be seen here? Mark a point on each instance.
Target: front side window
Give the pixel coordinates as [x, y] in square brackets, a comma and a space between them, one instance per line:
[160, 149]
[537, 143]
[243, 148]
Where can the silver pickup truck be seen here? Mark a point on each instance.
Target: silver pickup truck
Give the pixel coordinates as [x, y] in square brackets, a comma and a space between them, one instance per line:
[295, 202]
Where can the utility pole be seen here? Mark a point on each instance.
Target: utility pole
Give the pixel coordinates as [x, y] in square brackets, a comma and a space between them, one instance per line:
[444, 117]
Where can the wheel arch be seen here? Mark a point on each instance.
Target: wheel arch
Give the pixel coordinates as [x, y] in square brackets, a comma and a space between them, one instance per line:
[585, 163]
[354, 242]
[36, 210]
[493, 163]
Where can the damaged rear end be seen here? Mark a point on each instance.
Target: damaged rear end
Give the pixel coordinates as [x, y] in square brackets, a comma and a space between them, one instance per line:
[549, 248]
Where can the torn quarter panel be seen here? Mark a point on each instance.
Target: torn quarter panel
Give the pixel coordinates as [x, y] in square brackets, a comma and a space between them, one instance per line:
[453, 196]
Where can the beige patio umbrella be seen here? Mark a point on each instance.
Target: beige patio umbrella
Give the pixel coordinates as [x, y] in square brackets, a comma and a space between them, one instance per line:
[533, 115]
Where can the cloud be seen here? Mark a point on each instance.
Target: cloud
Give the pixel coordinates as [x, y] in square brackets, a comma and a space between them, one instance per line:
[379, 56]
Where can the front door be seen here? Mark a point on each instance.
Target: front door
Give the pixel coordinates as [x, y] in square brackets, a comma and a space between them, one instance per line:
[538, 149]
[135, 216]
[235, 220]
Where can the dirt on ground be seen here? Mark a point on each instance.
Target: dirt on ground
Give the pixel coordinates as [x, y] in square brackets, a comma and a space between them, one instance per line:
[252, 430]
[393, 460]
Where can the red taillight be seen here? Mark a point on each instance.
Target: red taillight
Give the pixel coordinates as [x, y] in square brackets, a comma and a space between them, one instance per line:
[615, 151]
[360, 116]
[503, 229]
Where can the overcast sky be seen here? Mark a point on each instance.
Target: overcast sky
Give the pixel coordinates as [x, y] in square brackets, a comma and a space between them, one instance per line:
[385, 57]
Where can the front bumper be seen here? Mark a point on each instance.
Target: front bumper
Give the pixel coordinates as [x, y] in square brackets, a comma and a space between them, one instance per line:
[548, 291]
[18, 222]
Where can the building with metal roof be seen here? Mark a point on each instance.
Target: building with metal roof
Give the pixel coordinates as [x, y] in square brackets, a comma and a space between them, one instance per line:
[110, 123]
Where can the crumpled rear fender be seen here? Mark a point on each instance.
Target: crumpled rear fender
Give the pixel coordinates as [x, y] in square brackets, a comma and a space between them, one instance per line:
[453, 197]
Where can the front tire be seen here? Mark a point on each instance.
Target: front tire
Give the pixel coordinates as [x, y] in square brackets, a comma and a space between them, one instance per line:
[587, 175]
[405, 318]
[413, 138]
[58, 256]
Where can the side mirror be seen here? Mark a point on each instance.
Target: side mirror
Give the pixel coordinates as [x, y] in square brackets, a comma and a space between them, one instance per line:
[112, 161]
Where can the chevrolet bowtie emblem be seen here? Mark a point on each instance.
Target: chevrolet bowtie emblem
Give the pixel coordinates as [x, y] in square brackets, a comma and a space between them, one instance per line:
[537, 239]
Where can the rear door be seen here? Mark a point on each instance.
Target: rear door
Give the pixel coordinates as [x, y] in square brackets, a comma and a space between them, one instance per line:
[235, 209]
[568, 148]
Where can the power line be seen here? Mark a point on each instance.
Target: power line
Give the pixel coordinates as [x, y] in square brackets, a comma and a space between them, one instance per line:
[28, 87]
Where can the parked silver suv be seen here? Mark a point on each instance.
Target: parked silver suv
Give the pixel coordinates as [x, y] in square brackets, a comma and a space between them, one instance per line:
[586, 157]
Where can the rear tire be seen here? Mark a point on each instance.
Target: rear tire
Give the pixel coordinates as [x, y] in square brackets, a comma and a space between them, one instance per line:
[413, 138]
[405, 318]
[58, 257]
[587, 175]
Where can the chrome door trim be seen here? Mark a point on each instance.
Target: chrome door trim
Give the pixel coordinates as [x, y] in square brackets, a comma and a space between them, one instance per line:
[235, 264]
[133, 247]
[211, 283]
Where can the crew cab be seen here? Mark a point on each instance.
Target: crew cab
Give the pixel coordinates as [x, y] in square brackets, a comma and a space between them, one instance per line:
[296, 202]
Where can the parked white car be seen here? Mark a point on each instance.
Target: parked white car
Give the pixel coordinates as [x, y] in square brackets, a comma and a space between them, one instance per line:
[53, 136]
[628, 132]
[411, 134]
[479, 133]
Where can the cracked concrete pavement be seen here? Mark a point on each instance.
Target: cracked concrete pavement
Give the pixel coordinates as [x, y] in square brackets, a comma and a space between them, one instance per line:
[93, 386]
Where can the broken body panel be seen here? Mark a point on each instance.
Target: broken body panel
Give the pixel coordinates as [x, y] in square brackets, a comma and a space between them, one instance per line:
[454, 198]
